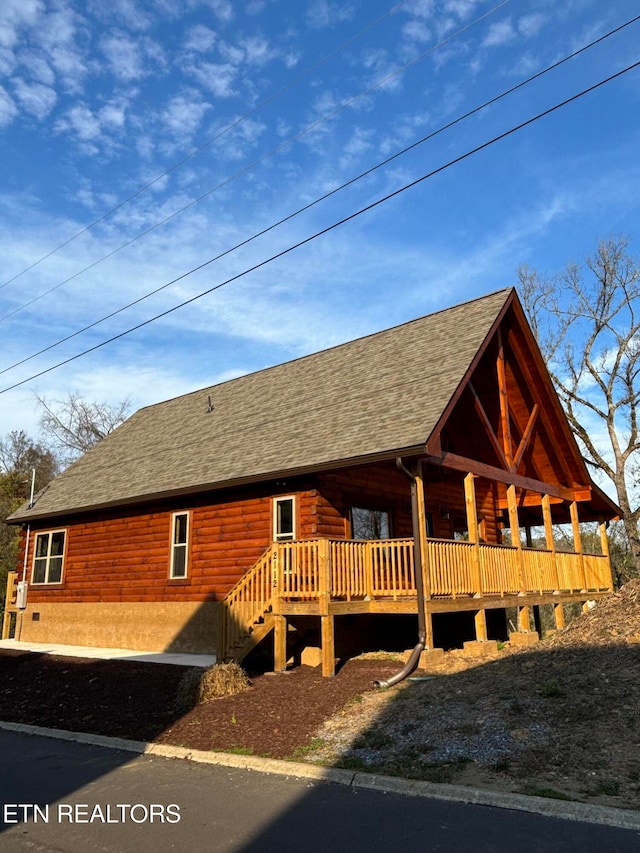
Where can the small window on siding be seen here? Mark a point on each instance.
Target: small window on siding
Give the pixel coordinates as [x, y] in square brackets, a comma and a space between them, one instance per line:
[48, 557]
[284, 519]
[179, 544]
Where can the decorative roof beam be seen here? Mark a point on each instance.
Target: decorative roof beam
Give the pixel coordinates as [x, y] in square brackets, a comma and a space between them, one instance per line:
[490, 472]
[489, 429]
[526, 437]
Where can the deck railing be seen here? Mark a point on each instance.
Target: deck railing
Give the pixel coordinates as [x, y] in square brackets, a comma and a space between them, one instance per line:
[384, 569]
[323, 570]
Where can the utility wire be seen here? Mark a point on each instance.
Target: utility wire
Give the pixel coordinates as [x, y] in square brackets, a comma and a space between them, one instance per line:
[328, 194]
[332, 227]
[210, 141]
[284, 144]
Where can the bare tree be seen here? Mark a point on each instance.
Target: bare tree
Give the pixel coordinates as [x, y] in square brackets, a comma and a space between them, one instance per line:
[73, 425]
[587, 322]
[19, 456]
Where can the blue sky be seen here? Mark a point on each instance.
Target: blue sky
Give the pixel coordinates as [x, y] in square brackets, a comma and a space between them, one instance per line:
[99, 99]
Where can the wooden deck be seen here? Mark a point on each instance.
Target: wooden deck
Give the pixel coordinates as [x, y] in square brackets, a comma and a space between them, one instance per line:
[328, 577]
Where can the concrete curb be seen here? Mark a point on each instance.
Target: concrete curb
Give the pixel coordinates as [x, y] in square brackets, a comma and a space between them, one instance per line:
[354, 779]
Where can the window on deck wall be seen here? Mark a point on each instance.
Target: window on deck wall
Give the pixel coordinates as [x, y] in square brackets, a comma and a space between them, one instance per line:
[179, 544]
[367, 523]
[284, 519]
[48, 557]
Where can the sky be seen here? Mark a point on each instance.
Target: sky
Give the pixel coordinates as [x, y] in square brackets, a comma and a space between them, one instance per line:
[140, 139]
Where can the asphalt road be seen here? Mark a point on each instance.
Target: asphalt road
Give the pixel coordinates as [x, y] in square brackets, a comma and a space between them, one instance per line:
[91, 798]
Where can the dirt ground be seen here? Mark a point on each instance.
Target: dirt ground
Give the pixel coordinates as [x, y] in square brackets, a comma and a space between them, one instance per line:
[560, 719]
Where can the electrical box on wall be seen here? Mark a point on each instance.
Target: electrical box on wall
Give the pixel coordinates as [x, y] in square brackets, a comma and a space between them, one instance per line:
[21, 595]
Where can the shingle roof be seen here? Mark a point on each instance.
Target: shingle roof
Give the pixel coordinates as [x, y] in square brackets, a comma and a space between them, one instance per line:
[372, 396]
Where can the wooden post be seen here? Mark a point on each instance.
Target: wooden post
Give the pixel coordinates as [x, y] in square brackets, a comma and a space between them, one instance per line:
[558, 612]
[480, 620]
[324, 575]
[326, 621]
[548, 535]
[279, 643]
[604, 546]
[472, 527]
[328, 645]
[524, 619]
[9, 604]
[577, 541]
[424, 552]
[504, 404]
[512, 504]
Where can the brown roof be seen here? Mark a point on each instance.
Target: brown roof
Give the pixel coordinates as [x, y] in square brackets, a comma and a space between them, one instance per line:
[365, 399]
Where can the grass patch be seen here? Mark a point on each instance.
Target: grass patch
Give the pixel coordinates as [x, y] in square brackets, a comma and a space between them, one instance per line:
[547, 793]
[240, 750]
[306, 749]
[551, 690]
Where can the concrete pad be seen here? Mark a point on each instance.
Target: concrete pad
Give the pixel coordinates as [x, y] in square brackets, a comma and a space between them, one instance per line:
[109, 654]
[431, 659]
[480, 648]
[524, 638]
[311, 656]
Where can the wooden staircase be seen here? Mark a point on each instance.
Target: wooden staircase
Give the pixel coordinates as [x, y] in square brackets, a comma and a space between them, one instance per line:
[247, 617]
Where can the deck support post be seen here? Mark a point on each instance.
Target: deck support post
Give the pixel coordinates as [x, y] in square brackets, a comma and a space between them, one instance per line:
[524, 619]
[328, 645]
[558, 612]
[472, 527]
[480, 620]
[279, 643]
[577, 541]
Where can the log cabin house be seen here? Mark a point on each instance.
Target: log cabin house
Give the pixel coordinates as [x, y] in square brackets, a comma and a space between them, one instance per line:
[301, 501]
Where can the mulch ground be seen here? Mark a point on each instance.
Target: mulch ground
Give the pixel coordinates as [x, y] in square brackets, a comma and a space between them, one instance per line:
[559, 719]
[276, 715]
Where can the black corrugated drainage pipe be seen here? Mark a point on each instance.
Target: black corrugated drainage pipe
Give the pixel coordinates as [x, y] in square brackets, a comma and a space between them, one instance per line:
[412, 664]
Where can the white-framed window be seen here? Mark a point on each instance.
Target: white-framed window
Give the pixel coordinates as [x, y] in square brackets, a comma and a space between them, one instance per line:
[284, 519]
[179, 544]
[48, 557]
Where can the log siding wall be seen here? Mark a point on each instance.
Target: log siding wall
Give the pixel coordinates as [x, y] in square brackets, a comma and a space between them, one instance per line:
[125, 556]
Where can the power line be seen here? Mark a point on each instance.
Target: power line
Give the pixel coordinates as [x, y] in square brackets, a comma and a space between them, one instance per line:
[213, 139]
[332, 227]
[285, 143]
[327, 195]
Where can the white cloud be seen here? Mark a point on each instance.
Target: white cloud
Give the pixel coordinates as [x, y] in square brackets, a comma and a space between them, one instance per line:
[200, 39]
[498, 34]
[131, 59]
[80, 121]
[257, 50]
[8, 109]
[222, 9]
[15, 14]
[420, 8]
[217, 77]
[184, 113]
[417, 31]
[35, 98]
[56, 35]
[323, 14]
[530, 25]
[37, 68]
